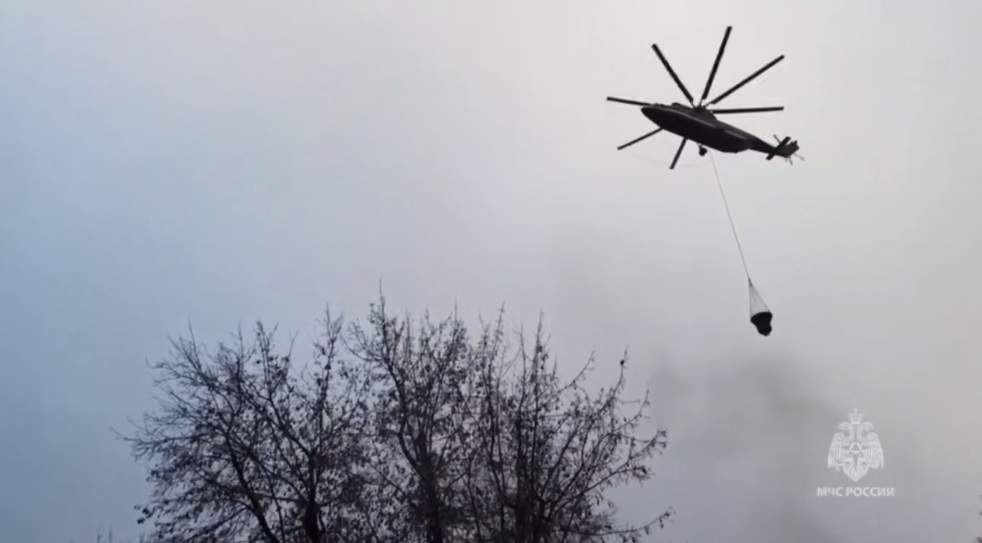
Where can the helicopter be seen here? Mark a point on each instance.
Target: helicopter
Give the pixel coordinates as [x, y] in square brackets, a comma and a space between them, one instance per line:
[697, 121]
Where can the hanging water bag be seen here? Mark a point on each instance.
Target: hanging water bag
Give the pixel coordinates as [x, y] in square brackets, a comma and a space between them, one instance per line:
[760, 314]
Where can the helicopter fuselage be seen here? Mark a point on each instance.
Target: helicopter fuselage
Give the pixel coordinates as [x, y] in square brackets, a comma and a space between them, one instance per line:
[702, 127]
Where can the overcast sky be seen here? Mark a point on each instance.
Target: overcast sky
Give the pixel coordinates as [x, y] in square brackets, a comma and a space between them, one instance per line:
[220, 162]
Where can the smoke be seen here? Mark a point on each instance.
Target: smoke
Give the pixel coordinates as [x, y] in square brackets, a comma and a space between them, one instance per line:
[747, 450]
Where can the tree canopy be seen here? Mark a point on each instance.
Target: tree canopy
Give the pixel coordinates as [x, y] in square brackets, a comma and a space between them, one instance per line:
[394, 429]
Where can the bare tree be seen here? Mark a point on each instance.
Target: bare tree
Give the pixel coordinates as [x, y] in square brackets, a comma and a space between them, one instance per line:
[399, 430]
[491, 445]
[422, 432]
[548, 451]
[244, 447]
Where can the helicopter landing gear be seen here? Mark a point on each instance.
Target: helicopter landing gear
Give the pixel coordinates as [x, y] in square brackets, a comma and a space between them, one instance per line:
[702, 151]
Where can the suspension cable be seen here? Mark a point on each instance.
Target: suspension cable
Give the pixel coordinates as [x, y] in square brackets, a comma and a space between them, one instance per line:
[729, 216]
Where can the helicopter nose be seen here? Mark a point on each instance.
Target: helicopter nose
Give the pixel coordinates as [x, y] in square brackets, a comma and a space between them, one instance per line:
[653, 112]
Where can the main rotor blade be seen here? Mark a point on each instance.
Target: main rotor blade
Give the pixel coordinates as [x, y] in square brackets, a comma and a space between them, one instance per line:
[671, 72]
[626, 101]
[677, 153]
[747, 80]
[632, 142]
[746, 110]
[719, 55]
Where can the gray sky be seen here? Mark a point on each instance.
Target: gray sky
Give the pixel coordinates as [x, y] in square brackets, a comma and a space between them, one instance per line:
[170, 162]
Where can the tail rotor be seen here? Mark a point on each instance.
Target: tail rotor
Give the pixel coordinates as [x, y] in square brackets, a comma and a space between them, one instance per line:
[793, 145]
